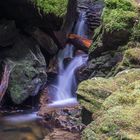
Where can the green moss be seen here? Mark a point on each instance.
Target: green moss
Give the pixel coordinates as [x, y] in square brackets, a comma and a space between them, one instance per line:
[131, 59]
[92, 97]
[133, 55]
[58, 7]
[119, 117]
[27, 70]
[92, 93]
[118, 19]
[119, 14]
[136, 32]
[126, 5]
[20, 81]
[119, 24]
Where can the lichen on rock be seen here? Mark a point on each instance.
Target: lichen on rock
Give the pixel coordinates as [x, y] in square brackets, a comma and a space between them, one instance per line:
[27, 69]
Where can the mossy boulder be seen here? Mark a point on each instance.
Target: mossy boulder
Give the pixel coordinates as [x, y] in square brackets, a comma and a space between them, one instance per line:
[131, 58]
[118, 21]
[93, 92]
[27, 66]
[136, 32]
[120, 116]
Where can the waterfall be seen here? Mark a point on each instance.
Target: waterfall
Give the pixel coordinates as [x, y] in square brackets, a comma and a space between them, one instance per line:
[66, 79]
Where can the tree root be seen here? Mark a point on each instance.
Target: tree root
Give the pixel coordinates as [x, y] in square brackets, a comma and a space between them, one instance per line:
[4, 81]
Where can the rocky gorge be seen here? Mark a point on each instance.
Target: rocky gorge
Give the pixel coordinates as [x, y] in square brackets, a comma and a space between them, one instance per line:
[31, 35]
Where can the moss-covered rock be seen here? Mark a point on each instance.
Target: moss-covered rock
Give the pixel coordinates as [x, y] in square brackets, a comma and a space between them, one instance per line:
[119, 19]
[57, 7]
[92, 93]
[119, 14]
[27, 66]
[131, 58]
[120, 119]
[136, 32]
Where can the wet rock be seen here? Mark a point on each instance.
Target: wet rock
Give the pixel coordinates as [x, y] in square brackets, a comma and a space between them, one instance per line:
[58, 134]
[45, 41]
[65, 119]
[27, 69]
[8, 33]
[68, 24]
[101, 66]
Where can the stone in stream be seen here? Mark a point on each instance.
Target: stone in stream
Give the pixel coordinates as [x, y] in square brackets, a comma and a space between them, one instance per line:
[62, 122]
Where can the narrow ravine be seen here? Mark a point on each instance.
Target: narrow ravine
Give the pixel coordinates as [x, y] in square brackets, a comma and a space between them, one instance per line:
[53, 111]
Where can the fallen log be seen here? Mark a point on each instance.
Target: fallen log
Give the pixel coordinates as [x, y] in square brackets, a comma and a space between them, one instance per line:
[86, 42]
[79, 42]
[4, 82]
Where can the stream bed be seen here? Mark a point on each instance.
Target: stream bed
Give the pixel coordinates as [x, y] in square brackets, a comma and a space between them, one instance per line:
[22, 126]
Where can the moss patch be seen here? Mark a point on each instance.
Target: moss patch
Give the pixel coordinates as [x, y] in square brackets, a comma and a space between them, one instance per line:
[58, 7]
[119, 112]
[119, 14]
[119, 24]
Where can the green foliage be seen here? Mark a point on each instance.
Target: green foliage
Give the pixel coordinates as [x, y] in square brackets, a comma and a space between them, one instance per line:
[119, 14]
[58, 7]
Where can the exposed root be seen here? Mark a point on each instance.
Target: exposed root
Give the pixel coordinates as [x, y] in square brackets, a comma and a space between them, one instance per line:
[4, 81]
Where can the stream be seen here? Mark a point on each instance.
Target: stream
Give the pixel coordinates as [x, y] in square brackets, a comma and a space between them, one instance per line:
[22, 126]
[67, 83]
[27, 125]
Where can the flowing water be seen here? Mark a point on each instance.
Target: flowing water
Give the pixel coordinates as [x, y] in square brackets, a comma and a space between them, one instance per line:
[23, 126]
[26, 125]
[66, 79]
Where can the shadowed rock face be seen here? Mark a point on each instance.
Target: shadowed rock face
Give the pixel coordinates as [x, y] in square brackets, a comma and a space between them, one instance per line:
[25, 12]
[25, 62]
[27, 69]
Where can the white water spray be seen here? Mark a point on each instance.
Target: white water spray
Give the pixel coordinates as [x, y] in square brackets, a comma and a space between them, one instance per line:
[66, 80]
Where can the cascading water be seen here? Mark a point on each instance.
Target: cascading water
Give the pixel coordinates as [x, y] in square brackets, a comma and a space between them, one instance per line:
[66, 80]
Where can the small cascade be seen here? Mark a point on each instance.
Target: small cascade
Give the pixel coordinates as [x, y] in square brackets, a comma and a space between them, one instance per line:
[66, 80]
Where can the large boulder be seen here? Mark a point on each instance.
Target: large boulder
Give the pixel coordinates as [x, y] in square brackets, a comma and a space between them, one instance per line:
[115, 104]
[27, 72]
[44, 40]
[118, 20]
[93, 92]
[120, 118]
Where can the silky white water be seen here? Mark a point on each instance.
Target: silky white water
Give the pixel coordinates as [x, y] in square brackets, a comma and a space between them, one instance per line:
[66, 79]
